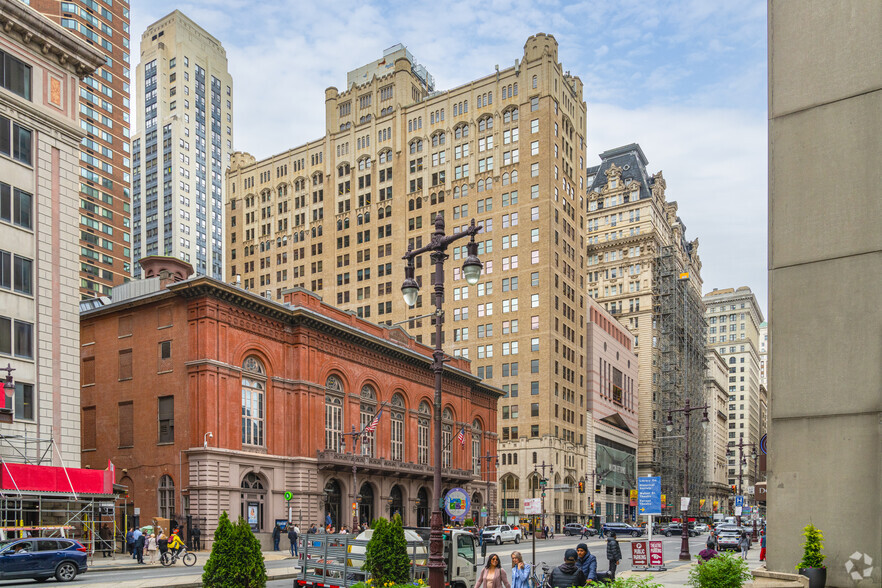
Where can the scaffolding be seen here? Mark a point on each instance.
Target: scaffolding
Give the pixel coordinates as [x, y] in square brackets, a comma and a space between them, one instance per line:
[88, 517]
[680, 317]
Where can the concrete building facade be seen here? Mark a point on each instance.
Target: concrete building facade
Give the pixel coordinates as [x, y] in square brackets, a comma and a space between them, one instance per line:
[183, 145]
[507, 150]
[716, 385]
[211, 398]
[824, 274]
[39, 257]
[105, 159]
[636, 252]
[734, 317]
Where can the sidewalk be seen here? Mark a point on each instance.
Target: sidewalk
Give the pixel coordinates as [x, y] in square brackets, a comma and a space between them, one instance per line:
[678, 572]
[122, 561]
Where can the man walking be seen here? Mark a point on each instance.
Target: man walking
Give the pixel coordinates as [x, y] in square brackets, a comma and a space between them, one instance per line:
[613, 554]
[136, 534]
[293, 536]
[584, 532]
[277, 535]
[195, 538]
[568, 573]
[140, 540]
[586, 562]
[130, 542]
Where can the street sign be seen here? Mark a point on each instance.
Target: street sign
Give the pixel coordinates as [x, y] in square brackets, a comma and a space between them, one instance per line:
[533, 506]
[739, 501]
[763, 446]
[638, 554]
[656, 554]
[289, 495]
[684, 503]
[563, 487]
[738, 511]
[649, 495]
[457, 503]
[750, 490]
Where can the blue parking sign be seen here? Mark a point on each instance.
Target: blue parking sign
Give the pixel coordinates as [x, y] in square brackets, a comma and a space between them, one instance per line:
[739, 501]
[649, 495]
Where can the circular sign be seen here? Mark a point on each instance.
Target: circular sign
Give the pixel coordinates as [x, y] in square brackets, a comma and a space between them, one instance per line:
[763, 445]
[289, 495]
[457, 503]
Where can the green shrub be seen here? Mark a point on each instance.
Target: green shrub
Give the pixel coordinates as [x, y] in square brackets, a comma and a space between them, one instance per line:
[721, 571]
[386, 554]
[235, 558]
[811, 555]
[468, 523]
[633, 582]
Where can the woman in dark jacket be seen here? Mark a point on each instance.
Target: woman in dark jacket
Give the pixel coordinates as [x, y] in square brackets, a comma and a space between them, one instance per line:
[613, 554]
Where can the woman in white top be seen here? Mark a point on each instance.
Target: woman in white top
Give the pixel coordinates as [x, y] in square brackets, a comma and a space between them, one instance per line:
[151, 546]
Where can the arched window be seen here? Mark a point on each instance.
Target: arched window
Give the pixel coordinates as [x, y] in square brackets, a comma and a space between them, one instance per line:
[535, 81]
[166, 494]
[425, 415]
[490, 183]
[252, 501]
[333, 413]
[368, 410]
[476, 447]
[397, 442]
[480, 185]
[253, 386]
[446, 437]
[505, 177]
[514, 176]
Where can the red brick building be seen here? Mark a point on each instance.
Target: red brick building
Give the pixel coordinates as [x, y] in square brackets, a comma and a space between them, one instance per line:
[208, 397]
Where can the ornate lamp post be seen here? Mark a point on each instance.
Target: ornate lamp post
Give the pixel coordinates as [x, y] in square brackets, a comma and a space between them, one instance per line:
[486, 459]
[8, 384]
[356, 437]
[686, 410]
[471, 269]
[741, 463]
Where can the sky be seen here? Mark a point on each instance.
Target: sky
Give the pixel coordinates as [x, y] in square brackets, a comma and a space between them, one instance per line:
[686, 79]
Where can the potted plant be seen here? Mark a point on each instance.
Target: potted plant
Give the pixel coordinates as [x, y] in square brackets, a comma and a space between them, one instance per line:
[812, 564]
[724, 570]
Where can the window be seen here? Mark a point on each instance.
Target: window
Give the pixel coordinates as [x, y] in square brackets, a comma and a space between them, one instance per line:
[367, 413]
[18, 144]
[125, 417]
[125, 364]
[446, 438]
[16, 206]
[166, 495]
[333, 413]
[253, 385]
[425, 413]
[167, 419]
[15, 75]
[397, 443]
[23, 407]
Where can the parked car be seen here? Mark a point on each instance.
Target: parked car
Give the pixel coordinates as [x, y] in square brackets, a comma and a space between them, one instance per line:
[578, 529]
[701, 528]
[501, 533]
[622, 529]
[677, 529]
[40, 558]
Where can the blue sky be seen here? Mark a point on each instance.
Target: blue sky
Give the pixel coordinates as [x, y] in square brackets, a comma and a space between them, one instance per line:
[686, 79]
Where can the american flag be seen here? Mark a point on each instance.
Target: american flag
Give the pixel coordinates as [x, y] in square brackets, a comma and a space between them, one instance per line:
[461, 437]
[373, 425]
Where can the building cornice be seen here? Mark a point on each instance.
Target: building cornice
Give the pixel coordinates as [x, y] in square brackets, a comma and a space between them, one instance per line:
[50, 38]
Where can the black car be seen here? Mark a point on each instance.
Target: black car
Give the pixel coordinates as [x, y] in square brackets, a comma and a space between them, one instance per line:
[578, 529]
[622, 529]
[677, 529]
[41, 558]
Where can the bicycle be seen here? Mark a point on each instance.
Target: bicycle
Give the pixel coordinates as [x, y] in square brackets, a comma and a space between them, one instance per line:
[535, 580]
[169, 558]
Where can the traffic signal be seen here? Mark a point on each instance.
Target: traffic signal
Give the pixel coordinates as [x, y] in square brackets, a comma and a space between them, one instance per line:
[733, 488]
[592, 507]
[581, 487]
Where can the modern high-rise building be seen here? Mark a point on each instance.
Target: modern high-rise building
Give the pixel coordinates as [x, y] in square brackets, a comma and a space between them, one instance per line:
[104, 162]
[182, 145]
[42, 69]
[506, 150]
[734, 317]
[641, 268]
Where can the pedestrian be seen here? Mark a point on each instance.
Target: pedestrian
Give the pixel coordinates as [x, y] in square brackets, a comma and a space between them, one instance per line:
[568, 573]
[130, 542]
[520, 572]
[293, 533]
[493, 576]
[762, 546]
[196, 538]
[162, 542]
[709, 552]
[152, 547]
[481, 536]
[106, 544]
[744, 544]
[328, 520]
[586, 562]
[139, 545]
[136, 534]
[613, 554]
[600, 534]
[277, 534]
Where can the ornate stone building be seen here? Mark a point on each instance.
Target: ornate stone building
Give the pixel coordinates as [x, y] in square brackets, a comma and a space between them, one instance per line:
[209, 398]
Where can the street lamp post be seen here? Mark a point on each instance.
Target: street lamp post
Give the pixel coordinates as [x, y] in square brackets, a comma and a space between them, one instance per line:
[8, 383]
[487, 459]
[540, 482]
[686, 410]
[356, 437]
[741, 462]
[471, 270]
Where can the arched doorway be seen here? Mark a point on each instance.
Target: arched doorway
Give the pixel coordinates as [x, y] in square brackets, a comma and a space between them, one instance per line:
[396, 504]
[422, 508]
[366, 504]
[477, 503]
[333, 502]
[252, 501]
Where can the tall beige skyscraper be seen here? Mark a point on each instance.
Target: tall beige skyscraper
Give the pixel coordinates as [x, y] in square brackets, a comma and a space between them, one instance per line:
[641, 268]
[734, 317]
[506, 150]
[105, 161]
[183, 145]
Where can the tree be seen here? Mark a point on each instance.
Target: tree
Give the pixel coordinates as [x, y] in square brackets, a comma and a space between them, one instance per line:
[386, 554]
[235, 558]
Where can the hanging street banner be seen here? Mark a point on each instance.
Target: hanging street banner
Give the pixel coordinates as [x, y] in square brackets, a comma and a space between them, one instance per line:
[649, 495]
[457, 504]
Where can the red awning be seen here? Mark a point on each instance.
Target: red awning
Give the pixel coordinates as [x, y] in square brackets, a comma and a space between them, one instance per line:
[34, 478]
